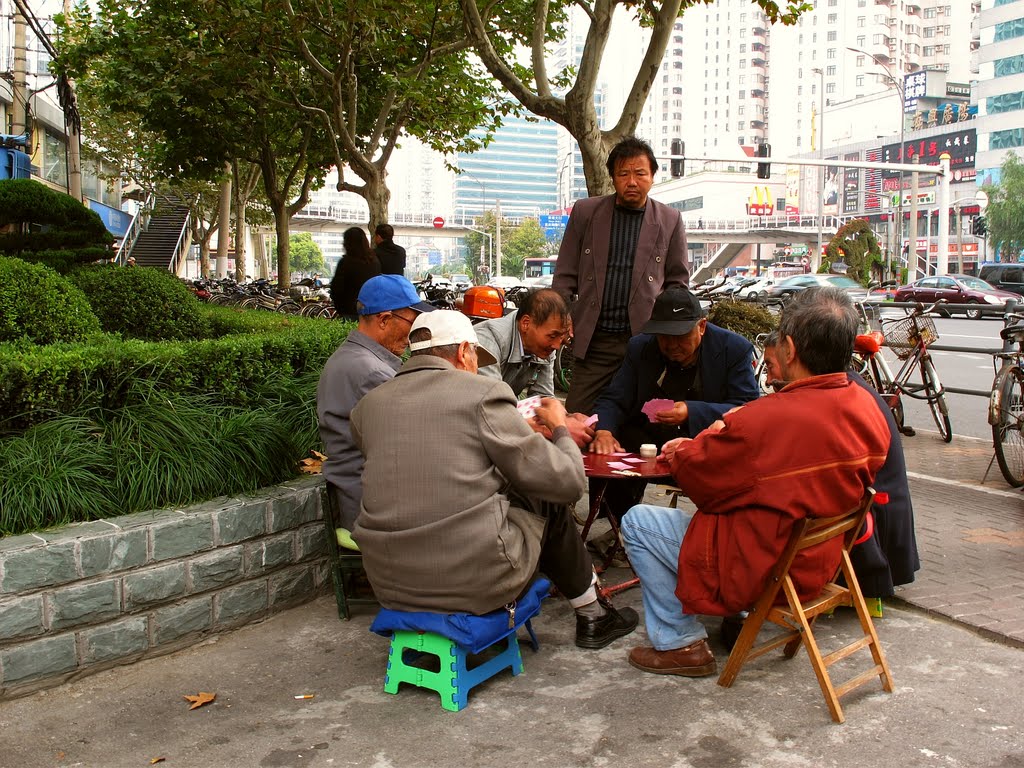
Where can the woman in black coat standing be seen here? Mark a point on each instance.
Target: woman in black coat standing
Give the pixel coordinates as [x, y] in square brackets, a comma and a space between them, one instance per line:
[357, 266]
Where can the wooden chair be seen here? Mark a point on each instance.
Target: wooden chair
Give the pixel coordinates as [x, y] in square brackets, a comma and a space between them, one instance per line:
[798, 618]
[346, 564]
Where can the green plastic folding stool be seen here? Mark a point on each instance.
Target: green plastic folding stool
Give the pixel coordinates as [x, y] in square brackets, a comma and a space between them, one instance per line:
[454, 679]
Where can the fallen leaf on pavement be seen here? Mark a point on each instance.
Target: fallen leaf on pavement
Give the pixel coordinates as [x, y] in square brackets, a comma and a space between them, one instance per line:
[157, 760]
[311, 466]
[200, 699]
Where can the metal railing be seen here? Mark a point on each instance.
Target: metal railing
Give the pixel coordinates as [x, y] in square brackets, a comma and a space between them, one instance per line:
[748, 223]
[1008, 345]
[135, 228]
[179, 246]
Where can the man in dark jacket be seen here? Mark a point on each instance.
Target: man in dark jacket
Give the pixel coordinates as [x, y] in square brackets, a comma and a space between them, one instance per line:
[698, 370]
[390, 255]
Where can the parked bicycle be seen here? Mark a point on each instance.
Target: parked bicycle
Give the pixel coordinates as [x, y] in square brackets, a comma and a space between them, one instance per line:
[1006, 403]
[909, 338]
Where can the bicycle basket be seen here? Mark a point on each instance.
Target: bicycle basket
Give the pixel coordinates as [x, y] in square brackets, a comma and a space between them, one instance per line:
[901, 336]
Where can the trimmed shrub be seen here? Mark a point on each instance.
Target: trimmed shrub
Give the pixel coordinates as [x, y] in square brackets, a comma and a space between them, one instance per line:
[39, 305]
[62, 231]
[742, 317]
[37, 383]
[142, 303]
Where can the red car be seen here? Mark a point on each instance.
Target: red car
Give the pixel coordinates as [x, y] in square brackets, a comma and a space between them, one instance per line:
[962, 293]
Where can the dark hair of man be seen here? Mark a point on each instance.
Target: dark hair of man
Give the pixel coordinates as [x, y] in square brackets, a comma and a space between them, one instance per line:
[541, 303]
[357, 247]
[771, 340]
[447, 351]
[629, 148]
[385, 232]
[822, 323]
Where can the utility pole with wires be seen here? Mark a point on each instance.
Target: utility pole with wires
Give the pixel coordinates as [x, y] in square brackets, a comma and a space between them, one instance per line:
[23, 17]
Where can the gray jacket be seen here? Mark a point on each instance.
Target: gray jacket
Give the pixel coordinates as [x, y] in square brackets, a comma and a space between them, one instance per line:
[450, 466]
[357, 366]
[500, 337]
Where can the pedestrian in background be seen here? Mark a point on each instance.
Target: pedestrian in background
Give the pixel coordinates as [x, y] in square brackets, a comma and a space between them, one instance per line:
[390, 255]
[357, 266]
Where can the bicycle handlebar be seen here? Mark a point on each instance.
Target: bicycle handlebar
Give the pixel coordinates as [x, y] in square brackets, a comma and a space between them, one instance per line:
[921, 309]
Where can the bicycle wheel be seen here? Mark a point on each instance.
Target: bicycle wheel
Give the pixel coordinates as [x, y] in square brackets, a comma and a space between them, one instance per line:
[1006, 433]
[936, 398]
[563, 366]
[882, 382]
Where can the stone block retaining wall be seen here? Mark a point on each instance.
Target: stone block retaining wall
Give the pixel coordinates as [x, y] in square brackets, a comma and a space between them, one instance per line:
[93, 595]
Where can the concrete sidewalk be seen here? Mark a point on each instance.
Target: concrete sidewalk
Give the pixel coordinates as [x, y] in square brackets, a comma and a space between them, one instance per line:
[970, 536]
[957, 700]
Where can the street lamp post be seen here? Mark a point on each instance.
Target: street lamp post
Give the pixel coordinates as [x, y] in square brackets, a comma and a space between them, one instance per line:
[899, 87]
[490, 249]
[483, 209]
[821, 156]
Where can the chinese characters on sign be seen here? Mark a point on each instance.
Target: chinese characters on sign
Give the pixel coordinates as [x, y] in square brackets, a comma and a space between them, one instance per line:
[851, 184]
[958, 144]
[914, 86]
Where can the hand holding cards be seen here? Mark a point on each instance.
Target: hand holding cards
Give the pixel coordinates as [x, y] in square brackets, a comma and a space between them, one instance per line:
[547, 412]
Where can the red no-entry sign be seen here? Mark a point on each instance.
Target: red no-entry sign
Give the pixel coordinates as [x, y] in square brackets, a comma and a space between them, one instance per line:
[438, 222]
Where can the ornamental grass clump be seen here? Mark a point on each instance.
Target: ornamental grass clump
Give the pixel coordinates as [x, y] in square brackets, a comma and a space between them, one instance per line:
[155, 450]
[56, 473]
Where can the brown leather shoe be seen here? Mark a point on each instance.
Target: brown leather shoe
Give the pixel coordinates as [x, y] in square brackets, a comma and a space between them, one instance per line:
[695, 660]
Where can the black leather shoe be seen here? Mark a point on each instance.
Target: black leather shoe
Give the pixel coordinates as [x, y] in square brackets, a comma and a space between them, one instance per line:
[599, 632]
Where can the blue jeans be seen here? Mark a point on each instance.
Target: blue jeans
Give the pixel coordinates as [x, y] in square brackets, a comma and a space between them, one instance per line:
[653, 536]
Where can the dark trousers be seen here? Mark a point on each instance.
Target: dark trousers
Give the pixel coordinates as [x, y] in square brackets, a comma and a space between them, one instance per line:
[591, 374]
[563, 557]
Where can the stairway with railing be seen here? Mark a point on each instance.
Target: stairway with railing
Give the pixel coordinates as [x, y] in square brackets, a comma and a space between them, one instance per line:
[158, 234]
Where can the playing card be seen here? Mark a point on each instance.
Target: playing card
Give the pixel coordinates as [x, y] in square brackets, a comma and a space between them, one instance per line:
[528, 407]
[652, 407]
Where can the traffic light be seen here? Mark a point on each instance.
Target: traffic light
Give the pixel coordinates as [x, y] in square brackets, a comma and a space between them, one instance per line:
[676, 164]
[979, 227]
[764, 170]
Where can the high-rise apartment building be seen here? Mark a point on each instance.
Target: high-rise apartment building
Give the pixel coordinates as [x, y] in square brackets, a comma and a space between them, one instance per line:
[730, 78]
[1000, 91]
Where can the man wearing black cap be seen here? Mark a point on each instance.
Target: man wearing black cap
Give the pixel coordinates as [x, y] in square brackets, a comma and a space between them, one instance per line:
[699, 369]
[387, 306]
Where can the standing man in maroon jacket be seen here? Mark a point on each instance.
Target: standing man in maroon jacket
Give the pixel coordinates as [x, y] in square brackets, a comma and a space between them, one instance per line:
[619, 253]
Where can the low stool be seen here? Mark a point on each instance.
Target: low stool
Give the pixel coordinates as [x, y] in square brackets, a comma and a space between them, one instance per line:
[452, 639]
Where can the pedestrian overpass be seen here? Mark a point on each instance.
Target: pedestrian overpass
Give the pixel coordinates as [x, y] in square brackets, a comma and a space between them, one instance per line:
[733, 235]
[334, 218]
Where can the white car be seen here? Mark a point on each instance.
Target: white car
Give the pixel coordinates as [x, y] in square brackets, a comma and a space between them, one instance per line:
[755, 291]
[505, 282]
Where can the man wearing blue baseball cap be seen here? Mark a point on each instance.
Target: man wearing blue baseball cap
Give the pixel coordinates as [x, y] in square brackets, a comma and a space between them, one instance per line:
[387, 306]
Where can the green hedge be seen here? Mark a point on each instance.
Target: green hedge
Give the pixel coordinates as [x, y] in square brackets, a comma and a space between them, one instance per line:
[142, 303]
[38, 383]
[60, 232]
[38, 305]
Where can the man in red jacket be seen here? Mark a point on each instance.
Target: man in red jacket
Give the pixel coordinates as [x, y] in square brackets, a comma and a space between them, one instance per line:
[807, 451]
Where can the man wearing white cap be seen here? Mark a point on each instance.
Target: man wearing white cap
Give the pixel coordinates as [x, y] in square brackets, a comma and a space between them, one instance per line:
[463, 503]
[387, 306]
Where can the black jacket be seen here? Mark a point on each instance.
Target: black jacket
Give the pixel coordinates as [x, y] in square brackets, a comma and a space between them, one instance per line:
[348, 279]
[391, 258]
